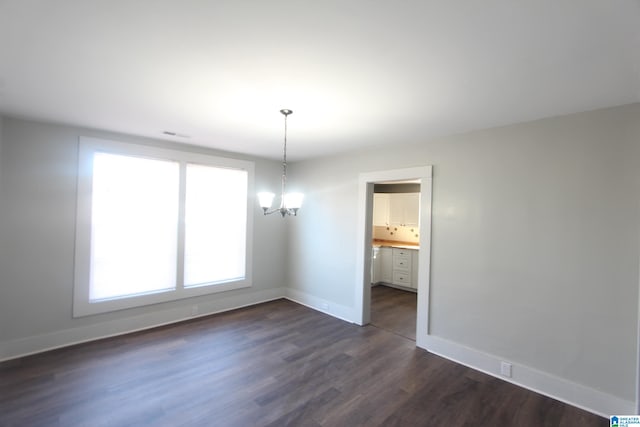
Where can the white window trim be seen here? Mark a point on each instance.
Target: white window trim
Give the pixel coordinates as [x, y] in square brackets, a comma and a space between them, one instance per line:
[87, 147]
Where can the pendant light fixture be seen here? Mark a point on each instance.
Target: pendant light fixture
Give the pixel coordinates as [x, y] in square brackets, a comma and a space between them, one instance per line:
[289, 202]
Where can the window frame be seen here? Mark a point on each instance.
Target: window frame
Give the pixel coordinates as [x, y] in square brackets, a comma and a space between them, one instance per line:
[87, 146]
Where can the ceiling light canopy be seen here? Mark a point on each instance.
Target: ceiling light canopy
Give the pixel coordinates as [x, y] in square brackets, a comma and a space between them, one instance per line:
[289, 202]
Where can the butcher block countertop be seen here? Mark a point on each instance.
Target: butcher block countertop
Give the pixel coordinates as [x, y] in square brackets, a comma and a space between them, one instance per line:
[376, 243]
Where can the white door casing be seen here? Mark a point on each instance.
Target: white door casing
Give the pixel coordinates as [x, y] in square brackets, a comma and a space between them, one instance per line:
[364, 235]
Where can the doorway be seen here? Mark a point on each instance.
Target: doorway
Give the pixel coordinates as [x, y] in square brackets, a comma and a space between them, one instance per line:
[364, 244]
[395, 256]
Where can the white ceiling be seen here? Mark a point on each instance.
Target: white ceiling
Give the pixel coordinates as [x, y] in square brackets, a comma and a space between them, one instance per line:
[356, 73]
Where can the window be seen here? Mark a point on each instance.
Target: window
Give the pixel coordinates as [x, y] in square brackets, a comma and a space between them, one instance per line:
[155, 225]
[134, 212]
[209, 220]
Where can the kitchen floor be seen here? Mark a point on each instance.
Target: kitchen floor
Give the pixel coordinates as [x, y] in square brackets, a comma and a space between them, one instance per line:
[394, 310]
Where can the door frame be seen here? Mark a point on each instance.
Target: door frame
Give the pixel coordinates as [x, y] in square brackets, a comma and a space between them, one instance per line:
[366, 182]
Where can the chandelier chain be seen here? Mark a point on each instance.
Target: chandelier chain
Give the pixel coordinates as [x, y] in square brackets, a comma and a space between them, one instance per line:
[284, 160]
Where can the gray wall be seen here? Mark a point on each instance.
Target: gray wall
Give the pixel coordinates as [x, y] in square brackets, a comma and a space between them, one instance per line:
[4, 320]
[38, 168]
[534, 243]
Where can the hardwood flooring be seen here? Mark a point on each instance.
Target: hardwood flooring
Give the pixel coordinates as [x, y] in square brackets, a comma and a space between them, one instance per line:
[273, 364]
[394, 310]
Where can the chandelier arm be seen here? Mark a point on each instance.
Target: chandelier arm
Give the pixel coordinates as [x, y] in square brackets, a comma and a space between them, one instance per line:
[281, 211]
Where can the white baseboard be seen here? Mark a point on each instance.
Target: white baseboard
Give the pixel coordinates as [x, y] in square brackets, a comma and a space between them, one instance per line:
[574, 394]
[328, 307]
[63, 338]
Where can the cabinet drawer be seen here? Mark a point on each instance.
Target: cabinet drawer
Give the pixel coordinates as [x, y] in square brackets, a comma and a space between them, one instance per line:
[401, 263]
[402, 252]
[402, 278]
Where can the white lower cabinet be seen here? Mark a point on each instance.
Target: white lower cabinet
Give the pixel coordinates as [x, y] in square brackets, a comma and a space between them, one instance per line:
[375, 265]
[396, 266]
[414, 268]
[402, 267]
[386, 265]
[402, 278]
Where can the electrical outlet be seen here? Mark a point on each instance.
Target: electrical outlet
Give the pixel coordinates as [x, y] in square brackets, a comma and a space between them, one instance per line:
[505, 369]
[324, 306]
[194, 310]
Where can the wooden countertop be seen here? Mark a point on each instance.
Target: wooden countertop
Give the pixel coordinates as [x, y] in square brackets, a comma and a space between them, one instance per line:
[394, 244]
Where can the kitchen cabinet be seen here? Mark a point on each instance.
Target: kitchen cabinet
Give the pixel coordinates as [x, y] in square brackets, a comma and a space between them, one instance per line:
[404, 209]
[381, 209]
[401, 209]
[396, 267]
[415, 255]
[376, 265]
[386, 265]
[402, 261]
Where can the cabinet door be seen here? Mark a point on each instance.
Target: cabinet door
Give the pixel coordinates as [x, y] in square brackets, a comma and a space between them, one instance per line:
[396, 209]
[411, 203]
[414, 268]
[376, 265]
[404, 209]
[381, 209]
[386, 265]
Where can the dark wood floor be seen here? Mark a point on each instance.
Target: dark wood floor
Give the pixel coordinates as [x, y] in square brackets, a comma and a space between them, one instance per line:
[394, 310]
[274, 364]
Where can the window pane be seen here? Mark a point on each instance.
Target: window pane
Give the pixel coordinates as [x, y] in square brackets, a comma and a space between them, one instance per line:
[134, 226]
[215, 224]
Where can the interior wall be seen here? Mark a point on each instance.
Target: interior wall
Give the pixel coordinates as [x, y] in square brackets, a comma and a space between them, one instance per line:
[38, 171]
[3, 319]
[534, 241]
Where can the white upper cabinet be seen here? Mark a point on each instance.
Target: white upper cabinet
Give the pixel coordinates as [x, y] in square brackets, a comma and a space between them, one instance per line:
[404, 209]
[381, 209]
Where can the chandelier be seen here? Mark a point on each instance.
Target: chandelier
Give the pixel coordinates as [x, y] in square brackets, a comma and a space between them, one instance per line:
[289, 202]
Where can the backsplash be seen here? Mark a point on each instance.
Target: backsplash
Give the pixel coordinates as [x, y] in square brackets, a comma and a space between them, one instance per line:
[397, 233]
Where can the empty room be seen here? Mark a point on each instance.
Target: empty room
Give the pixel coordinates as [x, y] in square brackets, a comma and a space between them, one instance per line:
[363, 213]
